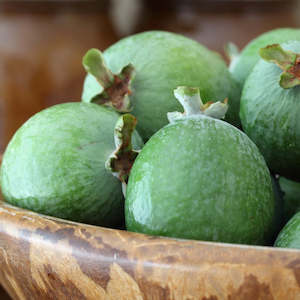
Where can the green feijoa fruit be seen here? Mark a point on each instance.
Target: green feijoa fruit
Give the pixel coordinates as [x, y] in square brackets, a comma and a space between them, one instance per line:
[139, 73]
[278, 221]
[242, 64]
[291, 196]
[270, 108]
[289, 236]
[200, 178]
[55, 164]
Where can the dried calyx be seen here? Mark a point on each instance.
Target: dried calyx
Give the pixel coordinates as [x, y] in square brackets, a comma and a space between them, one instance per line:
[115, 87]
[122, 159]
[189, 98]
[288, 61]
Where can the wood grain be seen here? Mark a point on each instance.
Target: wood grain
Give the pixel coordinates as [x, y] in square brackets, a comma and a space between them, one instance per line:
[47, 258]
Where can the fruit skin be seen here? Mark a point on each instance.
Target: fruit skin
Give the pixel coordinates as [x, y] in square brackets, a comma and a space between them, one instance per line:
[278, 221]
[291, 196]
[242, 66]
[54, 164]
[163, 61]
[270, 117]
[289, 236]
[201, 178]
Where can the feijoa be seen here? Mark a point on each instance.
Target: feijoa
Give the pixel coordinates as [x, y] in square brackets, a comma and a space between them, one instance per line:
[142, 71]
[55, 164]
[291, 196]
[200, 178]
[244, 63]
[289, 236]
[270, 108]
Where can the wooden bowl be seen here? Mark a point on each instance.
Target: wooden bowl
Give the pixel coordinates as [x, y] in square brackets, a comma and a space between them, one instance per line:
[48, 258]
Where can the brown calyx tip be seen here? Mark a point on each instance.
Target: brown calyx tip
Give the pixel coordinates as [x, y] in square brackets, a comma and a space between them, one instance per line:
[271, 46]
[114, 94]
[122, 165]
[295, 69]
[117, 93]
[207, 105]
[121, 160]
[291, 77]
[288, 61]
[115, 87]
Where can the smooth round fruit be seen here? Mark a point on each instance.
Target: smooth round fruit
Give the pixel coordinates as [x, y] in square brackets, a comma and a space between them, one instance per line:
[289, 236]
[54, 164]
[163, 61]
[270, 117]
[242, 66]
[291, 197]
[201, 178]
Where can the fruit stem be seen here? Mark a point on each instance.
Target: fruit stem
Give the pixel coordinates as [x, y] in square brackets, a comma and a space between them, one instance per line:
[232, 52]
[115, 87]
[189, 98]
[286, 60]
[122, 159]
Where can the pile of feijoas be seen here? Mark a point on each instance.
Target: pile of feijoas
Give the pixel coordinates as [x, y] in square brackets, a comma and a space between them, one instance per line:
[221, 160]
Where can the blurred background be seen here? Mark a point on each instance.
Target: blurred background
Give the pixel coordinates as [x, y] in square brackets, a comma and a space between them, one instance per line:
[42, 42]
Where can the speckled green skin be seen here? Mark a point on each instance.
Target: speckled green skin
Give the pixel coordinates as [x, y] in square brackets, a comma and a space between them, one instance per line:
[201, 179]
[242, 66]
[291, 196]
[289, 236]
[270, 117]
[164, 61]
[54, 164]
[279, 211]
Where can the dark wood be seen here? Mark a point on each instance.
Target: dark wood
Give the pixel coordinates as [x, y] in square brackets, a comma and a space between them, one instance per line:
[47, 258]
[49, 6]
[220, 6]
[40, 61]
[3, 294]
